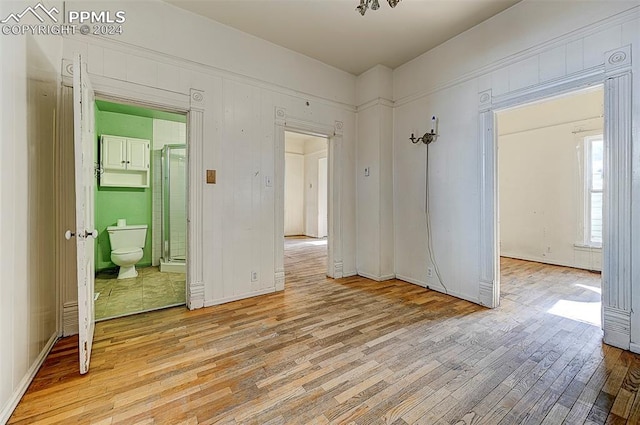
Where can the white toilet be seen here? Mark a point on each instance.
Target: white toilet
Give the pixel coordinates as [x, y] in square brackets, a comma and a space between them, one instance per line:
[126, 247]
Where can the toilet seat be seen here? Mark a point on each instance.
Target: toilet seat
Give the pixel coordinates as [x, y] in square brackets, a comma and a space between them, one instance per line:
[123, 251]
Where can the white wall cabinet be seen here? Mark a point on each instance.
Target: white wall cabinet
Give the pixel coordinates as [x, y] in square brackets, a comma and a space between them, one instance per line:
[124, 161]
[137, 154]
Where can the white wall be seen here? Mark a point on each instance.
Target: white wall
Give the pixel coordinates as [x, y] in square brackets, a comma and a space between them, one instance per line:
[506, 53]
[244, 79]
[154, 26]
[29, 79]
[541, 179]
[314, 150]
[293, 186]
[375, 257]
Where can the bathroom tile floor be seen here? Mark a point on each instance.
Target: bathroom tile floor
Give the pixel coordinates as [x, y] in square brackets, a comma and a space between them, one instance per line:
[151, 290]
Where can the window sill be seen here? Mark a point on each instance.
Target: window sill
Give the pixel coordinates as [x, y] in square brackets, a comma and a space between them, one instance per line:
[587, 247]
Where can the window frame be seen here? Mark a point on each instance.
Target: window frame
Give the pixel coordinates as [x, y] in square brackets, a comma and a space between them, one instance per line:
[588, 188]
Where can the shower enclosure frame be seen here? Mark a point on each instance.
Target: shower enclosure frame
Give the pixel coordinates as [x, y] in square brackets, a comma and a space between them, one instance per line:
[167, 260]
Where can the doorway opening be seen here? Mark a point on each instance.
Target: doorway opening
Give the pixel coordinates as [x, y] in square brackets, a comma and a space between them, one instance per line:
[140, 205]
[550, 203]
[306, 187]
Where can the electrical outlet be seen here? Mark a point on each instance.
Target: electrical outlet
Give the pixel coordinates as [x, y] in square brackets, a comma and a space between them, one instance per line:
[429, 271]
[254, 276]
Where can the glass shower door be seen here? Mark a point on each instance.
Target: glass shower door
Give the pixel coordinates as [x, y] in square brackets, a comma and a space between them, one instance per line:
[174, 203]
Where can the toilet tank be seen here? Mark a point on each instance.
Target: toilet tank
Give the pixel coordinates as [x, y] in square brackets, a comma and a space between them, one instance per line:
[127, 236]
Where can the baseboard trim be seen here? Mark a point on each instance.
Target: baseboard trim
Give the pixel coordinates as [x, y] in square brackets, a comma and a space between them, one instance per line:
[435, 287]
[634, 348]
[337, 270]
[544, 260]
[279, 279]
[172, 267]
[350, 273]
[487, 295]
[11, 405]
[438, 288]
[70, 319]
[225, 300]
[377, 278]
[195, 295]
[617, 327]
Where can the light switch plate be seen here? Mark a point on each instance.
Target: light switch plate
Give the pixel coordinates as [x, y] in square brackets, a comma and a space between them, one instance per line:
[366, 172]
[211, 176]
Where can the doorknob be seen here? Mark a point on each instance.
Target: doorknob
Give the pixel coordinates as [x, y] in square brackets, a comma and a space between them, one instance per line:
[93, 234]
[68, 234]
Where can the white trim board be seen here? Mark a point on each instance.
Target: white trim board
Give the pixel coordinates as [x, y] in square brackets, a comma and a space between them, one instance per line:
[198, 67]
[195, 107]
[542, 261]
[615, 75]
[239, 297]
[376, 278]
[284, 122]
[70, 319]
[376, 102]
[22, 387]
[434, 287]
[438, 288]
[594, 28]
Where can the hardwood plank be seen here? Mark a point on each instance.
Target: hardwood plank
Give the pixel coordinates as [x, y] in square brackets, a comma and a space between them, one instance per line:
[349, 351]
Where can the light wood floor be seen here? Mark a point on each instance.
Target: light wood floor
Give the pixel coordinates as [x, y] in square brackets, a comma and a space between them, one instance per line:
[350, 351]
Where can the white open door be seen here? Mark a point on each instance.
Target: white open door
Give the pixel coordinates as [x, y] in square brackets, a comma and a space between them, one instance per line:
[323, 192]
[84, 150]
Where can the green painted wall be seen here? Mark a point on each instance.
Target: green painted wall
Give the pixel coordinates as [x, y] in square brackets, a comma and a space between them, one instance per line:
[112, 203]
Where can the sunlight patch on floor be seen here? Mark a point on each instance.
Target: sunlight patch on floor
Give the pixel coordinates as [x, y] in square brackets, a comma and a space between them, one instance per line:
[587, 312]
[590, 288]
[318, 242]
[293, 242]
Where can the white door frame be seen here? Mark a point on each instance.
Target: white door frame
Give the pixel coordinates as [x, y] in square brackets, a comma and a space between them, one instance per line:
[333, 134]
[323, 196]
[615, 76]
[194, 106]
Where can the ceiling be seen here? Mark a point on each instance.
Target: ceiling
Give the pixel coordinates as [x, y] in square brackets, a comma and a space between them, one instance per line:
[333, 32]
[301, 139]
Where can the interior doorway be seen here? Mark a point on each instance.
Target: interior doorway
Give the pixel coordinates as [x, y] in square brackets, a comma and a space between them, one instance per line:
[141, 204]
[550, 203]
[305, 202]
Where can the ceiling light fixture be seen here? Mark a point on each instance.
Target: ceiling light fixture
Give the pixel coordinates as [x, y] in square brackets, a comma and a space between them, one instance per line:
[374, 5]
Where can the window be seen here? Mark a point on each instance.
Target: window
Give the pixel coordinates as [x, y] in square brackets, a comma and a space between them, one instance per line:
[594, 177]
